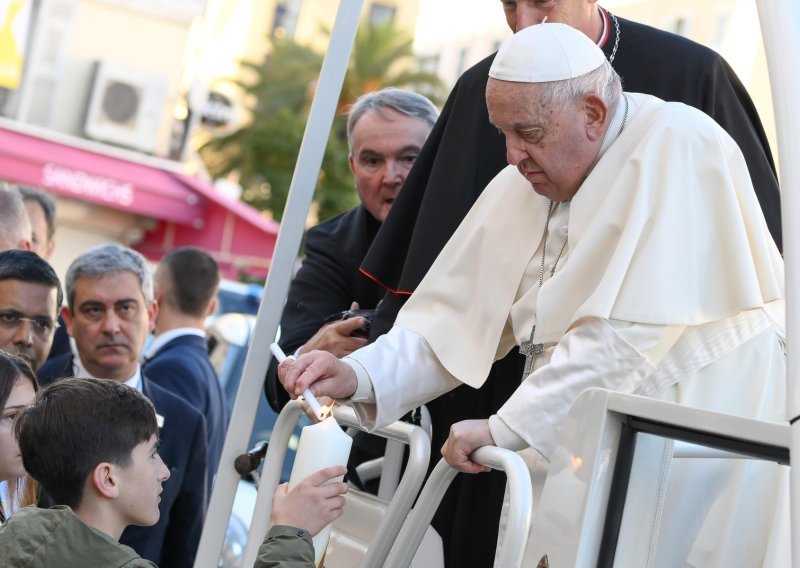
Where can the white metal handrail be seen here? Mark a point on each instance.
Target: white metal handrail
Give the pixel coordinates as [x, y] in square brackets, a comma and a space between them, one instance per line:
[586, 468]
[419, 447]
[301, 191]
[519, 515]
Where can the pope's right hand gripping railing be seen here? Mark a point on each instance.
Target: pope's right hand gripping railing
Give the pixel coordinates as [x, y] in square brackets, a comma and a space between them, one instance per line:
[519, 515]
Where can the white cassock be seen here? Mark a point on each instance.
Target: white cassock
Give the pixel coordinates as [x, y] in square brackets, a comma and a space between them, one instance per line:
[670, 286]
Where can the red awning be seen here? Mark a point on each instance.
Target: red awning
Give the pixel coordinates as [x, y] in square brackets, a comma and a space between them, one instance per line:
[90, 176]
[190, 212]
[240, 238]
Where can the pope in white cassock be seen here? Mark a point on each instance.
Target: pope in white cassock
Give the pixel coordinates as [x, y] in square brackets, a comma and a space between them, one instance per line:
[623, 248]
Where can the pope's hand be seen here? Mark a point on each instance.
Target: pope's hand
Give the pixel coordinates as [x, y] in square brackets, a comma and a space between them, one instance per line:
[320, 371]
[465, 437]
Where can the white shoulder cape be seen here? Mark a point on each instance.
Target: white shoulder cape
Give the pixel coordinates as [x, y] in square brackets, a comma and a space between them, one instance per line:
[666, 229]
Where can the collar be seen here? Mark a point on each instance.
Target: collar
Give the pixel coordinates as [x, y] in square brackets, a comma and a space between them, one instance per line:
[162, 339]
[80, 372]
[606, 27]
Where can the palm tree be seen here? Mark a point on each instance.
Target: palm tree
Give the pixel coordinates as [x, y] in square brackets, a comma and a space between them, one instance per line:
[383, 56]
[264, 152]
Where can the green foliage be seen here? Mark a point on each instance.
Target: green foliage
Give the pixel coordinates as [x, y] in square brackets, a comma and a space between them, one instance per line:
[264, 152]
[380, 58]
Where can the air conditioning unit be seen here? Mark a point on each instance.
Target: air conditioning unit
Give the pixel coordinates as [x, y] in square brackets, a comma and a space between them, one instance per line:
[126, 106]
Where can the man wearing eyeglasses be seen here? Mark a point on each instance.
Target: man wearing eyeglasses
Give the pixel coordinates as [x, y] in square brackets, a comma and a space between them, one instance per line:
[30, 294]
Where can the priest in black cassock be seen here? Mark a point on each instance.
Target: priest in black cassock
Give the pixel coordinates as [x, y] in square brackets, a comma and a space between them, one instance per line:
[464, 152]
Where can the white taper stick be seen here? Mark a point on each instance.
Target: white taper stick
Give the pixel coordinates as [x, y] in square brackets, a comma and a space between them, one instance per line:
[307, 394]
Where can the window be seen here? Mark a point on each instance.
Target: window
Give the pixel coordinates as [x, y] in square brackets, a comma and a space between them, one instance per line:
[381, 14]
[680, 26]
[279, 21]
[721, 31]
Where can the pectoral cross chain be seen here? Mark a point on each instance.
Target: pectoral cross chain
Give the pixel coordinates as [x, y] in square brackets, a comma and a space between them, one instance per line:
[531, 351]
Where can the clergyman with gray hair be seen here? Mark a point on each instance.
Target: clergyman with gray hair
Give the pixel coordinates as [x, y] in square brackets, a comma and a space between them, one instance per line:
[385, 130]
[110, 311]
[622, 248]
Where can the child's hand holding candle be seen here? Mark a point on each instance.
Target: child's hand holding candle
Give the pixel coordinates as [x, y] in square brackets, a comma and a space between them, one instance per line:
[315, 502]
[321, 445]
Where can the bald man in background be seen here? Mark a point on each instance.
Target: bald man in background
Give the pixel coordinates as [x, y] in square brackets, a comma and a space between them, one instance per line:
[15, 227]
[41, 208]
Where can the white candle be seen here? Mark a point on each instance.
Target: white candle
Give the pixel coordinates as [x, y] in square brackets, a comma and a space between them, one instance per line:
[321, 445]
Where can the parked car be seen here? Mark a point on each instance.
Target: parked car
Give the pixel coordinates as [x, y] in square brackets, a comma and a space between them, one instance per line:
[239, 298]
[229, 336]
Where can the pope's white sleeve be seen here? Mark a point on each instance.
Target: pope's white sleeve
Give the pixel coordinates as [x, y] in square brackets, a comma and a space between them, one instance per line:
[609, 354]
[403, 372]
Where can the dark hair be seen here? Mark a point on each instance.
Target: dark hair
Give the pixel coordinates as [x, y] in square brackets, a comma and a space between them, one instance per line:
[45, 201]
[76, 424]
[193, 279]
[29, 267]
[12, 367]
[21, 491]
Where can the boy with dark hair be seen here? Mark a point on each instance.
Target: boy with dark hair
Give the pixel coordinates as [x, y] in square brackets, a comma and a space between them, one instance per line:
[92, 444]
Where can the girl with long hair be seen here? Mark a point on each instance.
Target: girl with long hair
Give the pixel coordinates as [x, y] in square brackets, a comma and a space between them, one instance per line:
[18, 386]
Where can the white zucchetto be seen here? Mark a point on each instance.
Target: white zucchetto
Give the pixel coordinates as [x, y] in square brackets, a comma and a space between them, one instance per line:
[544, 53]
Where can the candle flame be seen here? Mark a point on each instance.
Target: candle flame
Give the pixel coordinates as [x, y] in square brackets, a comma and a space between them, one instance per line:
[577, 463]
[326, 411]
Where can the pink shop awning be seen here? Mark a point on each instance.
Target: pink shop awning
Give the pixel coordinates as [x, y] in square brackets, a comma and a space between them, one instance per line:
[188, 211]
[90, 176]
[239, 237]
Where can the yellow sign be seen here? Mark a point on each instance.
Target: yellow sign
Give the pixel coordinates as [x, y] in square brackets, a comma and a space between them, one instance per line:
[15, 17]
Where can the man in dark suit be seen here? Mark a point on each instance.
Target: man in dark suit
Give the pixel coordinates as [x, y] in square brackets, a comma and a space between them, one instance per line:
[185, 286]
[385, 131]
[30, 294]
[110, 310]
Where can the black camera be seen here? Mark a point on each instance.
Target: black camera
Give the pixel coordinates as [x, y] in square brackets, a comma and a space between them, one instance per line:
[362, 331]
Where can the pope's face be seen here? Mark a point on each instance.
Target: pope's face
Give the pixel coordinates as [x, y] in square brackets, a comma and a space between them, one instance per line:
[384, 147]
[110, 320]
[521, 14]
[553, 146]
